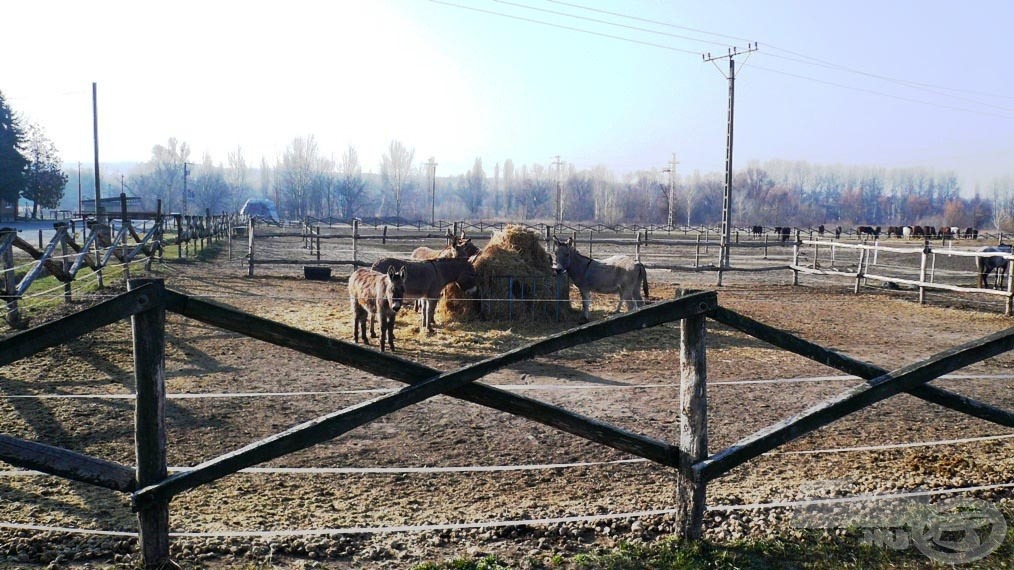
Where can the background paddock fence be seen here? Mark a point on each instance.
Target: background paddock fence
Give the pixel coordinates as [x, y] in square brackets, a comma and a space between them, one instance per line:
[861, 260]
[924, 268]
[152, 487]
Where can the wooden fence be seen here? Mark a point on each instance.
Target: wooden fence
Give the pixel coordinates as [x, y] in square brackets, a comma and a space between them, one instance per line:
[147, 301]
[103, 246]
[922, 273]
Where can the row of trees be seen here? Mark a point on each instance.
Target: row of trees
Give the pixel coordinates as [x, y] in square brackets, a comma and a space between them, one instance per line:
[30, 165]
[304, 182]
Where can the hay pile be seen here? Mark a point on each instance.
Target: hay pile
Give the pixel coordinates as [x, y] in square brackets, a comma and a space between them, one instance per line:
[516, 253]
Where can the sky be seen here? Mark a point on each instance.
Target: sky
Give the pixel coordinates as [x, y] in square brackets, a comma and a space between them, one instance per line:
[614, 83]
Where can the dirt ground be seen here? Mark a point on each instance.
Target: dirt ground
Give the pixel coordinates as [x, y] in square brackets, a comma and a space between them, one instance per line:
[226, 391]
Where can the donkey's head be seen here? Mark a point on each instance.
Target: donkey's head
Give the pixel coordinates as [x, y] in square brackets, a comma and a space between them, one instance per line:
[564, 253]
[468, 279]
[394, 288]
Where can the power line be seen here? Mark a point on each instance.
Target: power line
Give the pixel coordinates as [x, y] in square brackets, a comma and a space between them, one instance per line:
[882, 94]
[813, 60]
[608, 23]
[562, 27]
[671, 48]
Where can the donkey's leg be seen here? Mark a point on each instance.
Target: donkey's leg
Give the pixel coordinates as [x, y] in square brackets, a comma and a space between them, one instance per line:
[585, 305]
[431, 309]
[373, 323]
[389, 330]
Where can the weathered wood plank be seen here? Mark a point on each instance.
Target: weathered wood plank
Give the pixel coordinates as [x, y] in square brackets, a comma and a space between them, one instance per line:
[334, 424]
[691, 488]
[44, 260]
[37, 339]
[853, 400]
[148, 328]
[849, 365]
[67, 464]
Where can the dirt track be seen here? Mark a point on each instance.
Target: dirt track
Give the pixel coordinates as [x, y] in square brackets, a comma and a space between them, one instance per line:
[627, 381]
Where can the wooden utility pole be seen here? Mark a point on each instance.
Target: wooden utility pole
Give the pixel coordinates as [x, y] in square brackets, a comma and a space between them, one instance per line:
[95, 132]
[723, 251]
[559, 190]
[672, 190]
[432, 169]
[186, 172]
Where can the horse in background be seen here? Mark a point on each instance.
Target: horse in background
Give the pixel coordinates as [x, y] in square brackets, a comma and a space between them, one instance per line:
[616, 274]
[986, 265]
[372, 293]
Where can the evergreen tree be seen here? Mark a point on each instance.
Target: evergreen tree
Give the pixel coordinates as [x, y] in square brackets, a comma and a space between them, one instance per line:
[44, 180]
[13, 164]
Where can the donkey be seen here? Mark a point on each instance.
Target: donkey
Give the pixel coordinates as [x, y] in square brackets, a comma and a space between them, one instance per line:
[986, 265]
[373, 293]
[425, 280]
[616, 274]
[460, 248]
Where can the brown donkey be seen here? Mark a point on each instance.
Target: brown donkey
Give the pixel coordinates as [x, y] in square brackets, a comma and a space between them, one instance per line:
[371, 294]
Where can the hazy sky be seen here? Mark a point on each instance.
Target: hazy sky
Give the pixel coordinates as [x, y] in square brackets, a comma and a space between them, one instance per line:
[479, 78]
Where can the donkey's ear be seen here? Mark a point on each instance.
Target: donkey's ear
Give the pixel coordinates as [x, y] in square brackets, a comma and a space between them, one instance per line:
[403, 272]
[391, 271]
[570, 241]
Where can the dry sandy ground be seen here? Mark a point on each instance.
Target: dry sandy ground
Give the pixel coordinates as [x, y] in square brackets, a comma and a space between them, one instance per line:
[252, 390]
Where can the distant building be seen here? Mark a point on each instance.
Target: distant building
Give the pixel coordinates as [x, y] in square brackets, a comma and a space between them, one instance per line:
[111, 206]
[8, 211]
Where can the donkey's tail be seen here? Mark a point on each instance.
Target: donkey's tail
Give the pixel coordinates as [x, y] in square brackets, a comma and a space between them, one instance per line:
[644, 279]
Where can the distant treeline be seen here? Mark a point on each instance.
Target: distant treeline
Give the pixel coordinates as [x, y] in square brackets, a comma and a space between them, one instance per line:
[304, 183]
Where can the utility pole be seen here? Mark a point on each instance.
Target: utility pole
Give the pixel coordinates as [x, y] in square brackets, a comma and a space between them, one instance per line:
[432, 168]
[79, 212]
[186, 172]
[559, 191]
[95, 132]
[672, 189]
[723, 252]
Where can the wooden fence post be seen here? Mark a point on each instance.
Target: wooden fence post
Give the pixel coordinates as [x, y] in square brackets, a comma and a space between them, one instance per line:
[383, 237]
[11, 313]
[591, 238]
[179, 235]
[922, 271]
[65, 261]
[795, 259]
[859, 270]
[355, 245]
[1009, 304]
[250, 246]
[697, 252]
[318, 242]
[149, 419]
[765, 245]
[691, 488]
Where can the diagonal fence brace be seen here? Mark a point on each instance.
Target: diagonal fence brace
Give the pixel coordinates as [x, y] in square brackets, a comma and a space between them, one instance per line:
[864, 370]
[853, 400]
[332, 425]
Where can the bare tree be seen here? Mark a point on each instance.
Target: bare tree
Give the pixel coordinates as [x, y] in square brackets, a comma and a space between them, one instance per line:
[211, 191]
[508, 187]
[472, 188]
[237, 179]
[351, 188]
[297, 172]
[395, 168]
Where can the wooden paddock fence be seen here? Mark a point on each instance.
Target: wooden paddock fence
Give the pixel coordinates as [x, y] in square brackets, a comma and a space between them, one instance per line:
[102, 246]
[152, 489]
